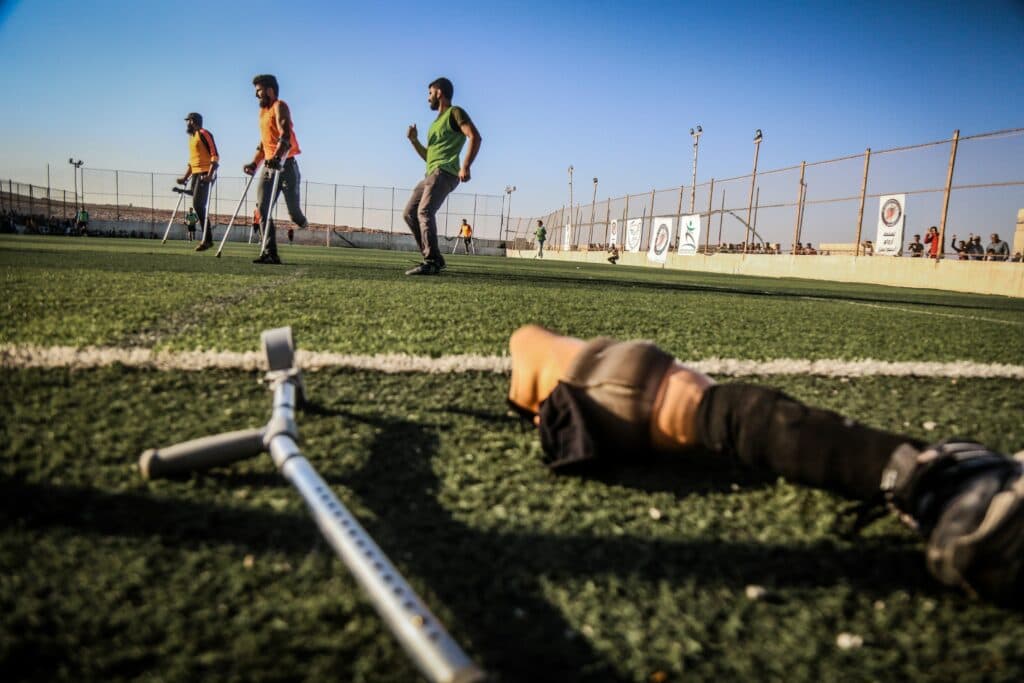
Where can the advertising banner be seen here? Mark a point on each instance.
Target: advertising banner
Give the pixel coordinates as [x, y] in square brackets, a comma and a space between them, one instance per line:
[689, 234]
[891, 216]
[661, 237]
[567, 237]
[634, 234]
[613, 232]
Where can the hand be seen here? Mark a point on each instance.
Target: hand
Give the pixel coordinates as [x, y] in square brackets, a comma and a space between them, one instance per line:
[249, 169]
[464, 175]
[413, 134]
[273, 163]
[181, 180]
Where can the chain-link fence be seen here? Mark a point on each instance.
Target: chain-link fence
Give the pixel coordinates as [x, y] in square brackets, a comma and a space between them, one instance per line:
[961, 185]
[139, 197]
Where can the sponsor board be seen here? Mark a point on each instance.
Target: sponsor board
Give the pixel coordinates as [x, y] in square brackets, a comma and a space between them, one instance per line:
[567, 237]
[689, 234]
[613, 232]
[661, 238]
[892, 214]
[634, 234]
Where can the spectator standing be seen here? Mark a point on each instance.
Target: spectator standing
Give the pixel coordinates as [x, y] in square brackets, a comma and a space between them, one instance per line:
[190, 224]
[960, 247]
[916, 248]
[445, 139]
[932, 238]
[974, 248]
[997, 249]
[82, 221]
[541, 235]
[203, 161]
[277, 150]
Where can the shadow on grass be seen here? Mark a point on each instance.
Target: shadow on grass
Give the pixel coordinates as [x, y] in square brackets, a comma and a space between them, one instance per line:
[493, 582]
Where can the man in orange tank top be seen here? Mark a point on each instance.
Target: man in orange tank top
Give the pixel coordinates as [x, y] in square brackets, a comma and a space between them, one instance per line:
[277, 150]
[202, 169]
[603, 400]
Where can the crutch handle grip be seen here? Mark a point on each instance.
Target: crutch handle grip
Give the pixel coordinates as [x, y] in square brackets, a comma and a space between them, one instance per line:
[201, 454]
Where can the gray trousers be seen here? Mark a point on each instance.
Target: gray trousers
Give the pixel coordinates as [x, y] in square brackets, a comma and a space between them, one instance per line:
[289, 187]
[427, 197]
[200, 192]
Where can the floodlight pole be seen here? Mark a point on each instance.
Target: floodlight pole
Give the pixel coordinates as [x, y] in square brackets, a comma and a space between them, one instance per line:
[593, 205]
[75, 166]
[695, 134]
[571, 213]
[753, 181]
[509, 189]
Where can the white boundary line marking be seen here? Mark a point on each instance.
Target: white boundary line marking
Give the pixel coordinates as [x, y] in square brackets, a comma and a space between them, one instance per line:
[920, 312]
[13, 356]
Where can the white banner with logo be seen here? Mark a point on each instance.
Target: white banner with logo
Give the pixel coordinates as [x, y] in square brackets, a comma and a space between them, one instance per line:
[567, 237]
[689, 234]
[892, 212]
[661, 237]
[613, 232]
[634, 234]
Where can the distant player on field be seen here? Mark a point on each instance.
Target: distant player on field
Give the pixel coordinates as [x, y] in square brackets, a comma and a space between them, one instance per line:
[203, 161]
[445, 139]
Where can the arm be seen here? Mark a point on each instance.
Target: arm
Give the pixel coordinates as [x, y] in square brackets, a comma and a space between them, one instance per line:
[211, 146]
[188, 174]
[250, 168]
[284, 124]
[473, 135]
[414, 138]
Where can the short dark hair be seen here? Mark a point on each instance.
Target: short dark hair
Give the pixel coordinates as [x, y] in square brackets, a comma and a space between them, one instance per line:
[445, 86]
[267, 81]
[195, 116]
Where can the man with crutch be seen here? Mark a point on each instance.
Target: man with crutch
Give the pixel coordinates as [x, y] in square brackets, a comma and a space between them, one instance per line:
[202, 169]
[277, 150]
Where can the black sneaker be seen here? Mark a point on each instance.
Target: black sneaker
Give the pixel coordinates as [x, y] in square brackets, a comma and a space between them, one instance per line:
[204, 246]
[425, 268]
[270, 259]
[968, 502]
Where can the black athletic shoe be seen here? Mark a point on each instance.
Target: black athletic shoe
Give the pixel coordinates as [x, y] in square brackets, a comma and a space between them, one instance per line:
[204, 246]
[968, 502]
[270, 259]
[425, 268]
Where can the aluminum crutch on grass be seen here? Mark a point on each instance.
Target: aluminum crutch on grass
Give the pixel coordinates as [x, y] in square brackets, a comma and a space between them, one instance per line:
[181, 197]
[424, 638]
[238, 207]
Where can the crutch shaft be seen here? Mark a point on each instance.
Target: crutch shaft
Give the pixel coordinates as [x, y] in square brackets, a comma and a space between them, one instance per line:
[201, 454]
[238, 207]
[181, 198]
[422, 635]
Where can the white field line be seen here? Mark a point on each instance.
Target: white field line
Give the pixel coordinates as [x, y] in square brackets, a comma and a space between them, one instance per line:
[1016, 323]
[12, 356]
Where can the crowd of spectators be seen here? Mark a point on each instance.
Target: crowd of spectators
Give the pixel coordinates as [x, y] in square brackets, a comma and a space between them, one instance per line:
[39, 224]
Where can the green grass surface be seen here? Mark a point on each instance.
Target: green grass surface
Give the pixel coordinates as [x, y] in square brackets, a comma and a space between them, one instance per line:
[105, 577]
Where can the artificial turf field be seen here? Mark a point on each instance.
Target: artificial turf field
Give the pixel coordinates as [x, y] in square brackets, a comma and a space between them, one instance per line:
[223, 576]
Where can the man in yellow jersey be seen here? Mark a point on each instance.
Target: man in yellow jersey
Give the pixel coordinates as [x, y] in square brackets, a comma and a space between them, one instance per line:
[202, 169]
[277, 150]
[466, 235]
[602, 400]
[447, 134]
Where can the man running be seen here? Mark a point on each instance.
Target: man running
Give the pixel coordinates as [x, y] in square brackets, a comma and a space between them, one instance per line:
[605, 400]
[541, 234]
[82, 222]
[202, 169]
[277, 150]
[466, 235]
[445, 139]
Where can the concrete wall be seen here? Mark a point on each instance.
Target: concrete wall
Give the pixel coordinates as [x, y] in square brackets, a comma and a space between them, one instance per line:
[979, 277]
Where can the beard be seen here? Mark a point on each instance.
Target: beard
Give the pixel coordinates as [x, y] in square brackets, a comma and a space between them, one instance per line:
[265, 102]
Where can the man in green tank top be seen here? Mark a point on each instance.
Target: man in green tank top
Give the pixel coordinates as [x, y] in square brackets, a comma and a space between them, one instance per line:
[445, 139]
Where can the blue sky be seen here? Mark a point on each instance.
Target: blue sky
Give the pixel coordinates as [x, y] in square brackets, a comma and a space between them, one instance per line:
[609, 87]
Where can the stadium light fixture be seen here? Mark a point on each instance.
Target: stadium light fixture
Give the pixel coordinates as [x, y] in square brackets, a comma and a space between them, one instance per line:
[509, 189]
[77, 165]
[695, 134]
[753, 180]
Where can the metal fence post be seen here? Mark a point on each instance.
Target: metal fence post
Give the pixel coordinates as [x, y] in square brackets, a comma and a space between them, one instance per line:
[474, 215]
[117, 195]
[863, 195]
[65, 205]
[949, 187]
[607, 220]
[362, 209]
[721, 217]
[707, 235]
[652, 221]
[305, 202]
[392, 209]
[49, 206]
[799, 206]
[152, 202]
